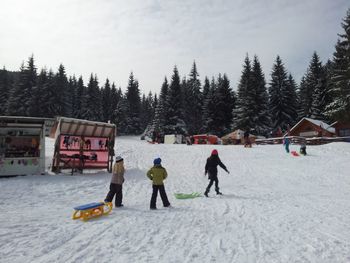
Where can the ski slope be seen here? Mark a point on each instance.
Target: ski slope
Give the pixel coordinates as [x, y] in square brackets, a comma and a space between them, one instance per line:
[275, 208]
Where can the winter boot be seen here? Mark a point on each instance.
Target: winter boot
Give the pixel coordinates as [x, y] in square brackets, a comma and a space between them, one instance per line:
[218, 192]
[206, 193]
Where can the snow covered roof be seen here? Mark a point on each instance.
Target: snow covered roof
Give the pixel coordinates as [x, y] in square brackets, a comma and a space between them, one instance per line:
[319, 123]
[78, 127]
[235, 133]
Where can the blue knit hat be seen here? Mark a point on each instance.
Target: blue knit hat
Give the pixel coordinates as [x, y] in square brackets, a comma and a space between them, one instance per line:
[157, 161]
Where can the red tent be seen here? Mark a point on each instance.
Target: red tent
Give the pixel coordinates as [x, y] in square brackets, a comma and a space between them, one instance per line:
[205, 139]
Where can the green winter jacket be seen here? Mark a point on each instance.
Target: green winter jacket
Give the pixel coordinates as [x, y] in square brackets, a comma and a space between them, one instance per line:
[157, 174]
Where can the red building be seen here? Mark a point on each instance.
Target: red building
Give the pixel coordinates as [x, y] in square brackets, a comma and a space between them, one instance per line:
[307, 127]
[342, 129]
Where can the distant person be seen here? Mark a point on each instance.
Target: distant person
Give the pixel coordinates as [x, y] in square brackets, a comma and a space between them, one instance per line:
[154, 136]
[116, 185]
[211, 169]
[66, 141]
[286, 142]
[192, 139]
[100, 144]
[188, 140]
[279, 134]
[247, 142]
[303, 149]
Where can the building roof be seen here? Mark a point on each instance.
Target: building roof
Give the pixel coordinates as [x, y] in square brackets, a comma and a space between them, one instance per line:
[319, 123]
[23, 119]
[79, 127]
[234, 134]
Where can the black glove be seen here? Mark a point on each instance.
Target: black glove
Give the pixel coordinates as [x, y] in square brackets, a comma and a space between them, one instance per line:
[228, 171]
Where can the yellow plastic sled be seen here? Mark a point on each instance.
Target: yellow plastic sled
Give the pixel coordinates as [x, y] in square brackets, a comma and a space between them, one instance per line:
[92, 210]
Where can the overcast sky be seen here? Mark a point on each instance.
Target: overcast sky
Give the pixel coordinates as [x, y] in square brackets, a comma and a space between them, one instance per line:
[111, 38]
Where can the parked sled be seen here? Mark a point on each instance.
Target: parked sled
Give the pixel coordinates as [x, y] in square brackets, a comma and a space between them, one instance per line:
[187, 196]
[92, 210]
[294, 153]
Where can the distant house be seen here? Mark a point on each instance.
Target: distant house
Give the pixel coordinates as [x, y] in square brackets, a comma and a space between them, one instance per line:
[236, 137]
[308, 127]
[342, 129]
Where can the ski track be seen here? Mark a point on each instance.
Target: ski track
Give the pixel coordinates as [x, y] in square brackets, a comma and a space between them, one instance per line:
[275, 208]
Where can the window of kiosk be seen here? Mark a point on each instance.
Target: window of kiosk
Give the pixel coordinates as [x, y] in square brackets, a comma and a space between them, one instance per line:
[94, 149]
[19, 145]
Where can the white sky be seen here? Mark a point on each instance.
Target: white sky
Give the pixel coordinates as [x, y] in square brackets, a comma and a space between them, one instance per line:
[111, 38]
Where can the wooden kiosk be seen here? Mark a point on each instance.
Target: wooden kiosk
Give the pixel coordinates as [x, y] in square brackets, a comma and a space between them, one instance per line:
[82, 145]
[22, 145]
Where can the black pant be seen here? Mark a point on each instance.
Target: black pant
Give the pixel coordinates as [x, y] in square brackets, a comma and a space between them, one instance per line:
[162, 195]
[117, 190]
[212, 180]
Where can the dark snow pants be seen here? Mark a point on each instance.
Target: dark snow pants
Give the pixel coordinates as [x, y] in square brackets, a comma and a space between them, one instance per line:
[117, 190]
[162, 195]
[287, 147]
[213, 178]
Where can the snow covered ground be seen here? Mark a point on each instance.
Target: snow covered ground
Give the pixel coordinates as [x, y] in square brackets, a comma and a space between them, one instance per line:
[275, 208]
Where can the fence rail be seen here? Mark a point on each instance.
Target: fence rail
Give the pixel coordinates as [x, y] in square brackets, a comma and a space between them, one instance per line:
[301, 140]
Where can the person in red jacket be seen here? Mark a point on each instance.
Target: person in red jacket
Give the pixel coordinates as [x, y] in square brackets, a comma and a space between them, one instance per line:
[211, 169]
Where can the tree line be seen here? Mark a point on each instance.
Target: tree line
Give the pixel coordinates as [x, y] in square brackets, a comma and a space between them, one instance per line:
[185, 105]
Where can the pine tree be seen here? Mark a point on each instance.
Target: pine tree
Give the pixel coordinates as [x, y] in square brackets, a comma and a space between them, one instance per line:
[116, 96]
[174, 116]
[21, 94]
[292, 100]
[300, 91]
[150, 106]
[205, 103]
[193, 102]
[243, 110]
[37, 99]
[49, 96]
[279, 95]
[72, 99]
[206, 87]
[80, 92]
[134, 100]
[147, 111]
[209, 109]
[122, 116]
[5, 89]
[107, 110]
[154, 104]
[29, 82]
[160, 110]
[92, 103]
[314, 79]
[318, 100]
[339, 109]
[329, 95]
[60, 95]
[224, 104]
[261, 117]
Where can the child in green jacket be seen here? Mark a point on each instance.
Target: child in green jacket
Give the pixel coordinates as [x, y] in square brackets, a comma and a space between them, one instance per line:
[157, 174]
